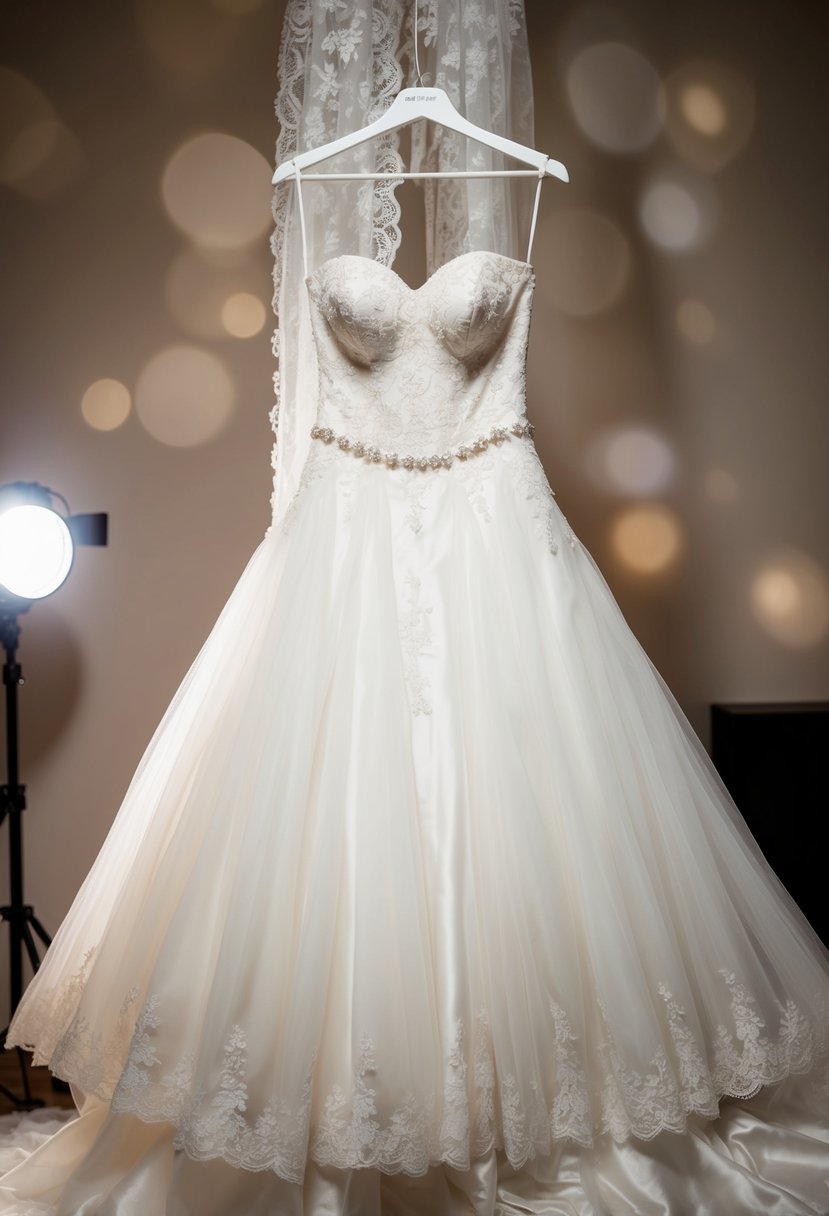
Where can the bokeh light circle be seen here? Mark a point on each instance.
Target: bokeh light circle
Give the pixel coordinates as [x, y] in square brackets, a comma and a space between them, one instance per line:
[646, 539]
[217, 190]
[675, 215]
[39, 155]
[106, 404]
[703, 109]
[184, 396]
[591, 262]
[614, 94]
[708, 110]
[197, 289]
[789, 596]
[243, 315]
[631, 459]
[721, 486]
[696, 322]
[193, 43]
[24, 154]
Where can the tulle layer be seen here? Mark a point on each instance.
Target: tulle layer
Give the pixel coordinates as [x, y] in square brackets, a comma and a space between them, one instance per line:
[765, 1155]
[423, 862]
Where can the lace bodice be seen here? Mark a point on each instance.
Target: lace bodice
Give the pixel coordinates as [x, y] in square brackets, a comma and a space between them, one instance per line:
[424, 369]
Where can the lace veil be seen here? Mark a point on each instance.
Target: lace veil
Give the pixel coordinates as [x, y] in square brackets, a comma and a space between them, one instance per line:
[341, 62]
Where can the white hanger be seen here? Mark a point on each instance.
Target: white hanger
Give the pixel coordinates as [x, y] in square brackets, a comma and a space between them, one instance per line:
[435, 106]
[408, 106]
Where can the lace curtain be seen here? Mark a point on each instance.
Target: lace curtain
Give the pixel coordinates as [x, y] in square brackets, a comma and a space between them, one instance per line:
[341, 62]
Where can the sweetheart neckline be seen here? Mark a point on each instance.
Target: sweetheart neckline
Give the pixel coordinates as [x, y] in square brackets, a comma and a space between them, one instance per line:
[361, 257]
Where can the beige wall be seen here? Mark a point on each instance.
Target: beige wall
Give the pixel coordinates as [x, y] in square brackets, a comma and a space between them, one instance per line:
[88, 247]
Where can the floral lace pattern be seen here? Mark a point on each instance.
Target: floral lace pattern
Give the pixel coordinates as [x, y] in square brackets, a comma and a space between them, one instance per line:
[338, 62]
[415, 505]
[429, 378]
[415, 637]
[426, 370]
[549, 523]
[480, 1104]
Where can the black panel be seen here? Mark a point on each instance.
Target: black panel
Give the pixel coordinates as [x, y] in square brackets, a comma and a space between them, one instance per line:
[775, 760]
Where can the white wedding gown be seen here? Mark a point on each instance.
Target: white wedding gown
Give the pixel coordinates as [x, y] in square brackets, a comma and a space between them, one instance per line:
[424, 898]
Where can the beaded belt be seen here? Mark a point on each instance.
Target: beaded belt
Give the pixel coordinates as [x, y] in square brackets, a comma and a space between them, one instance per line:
[377, 455]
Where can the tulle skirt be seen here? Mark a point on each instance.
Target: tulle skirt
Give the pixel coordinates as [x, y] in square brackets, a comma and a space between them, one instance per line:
[425, 887]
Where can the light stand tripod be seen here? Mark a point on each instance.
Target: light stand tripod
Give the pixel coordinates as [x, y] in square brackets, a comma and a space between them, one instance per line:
[21, 916]
[37, 546]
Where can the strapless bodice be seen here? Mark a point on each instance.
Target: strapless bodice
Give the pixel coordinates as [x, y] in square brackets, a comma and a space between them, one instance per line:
[420, 370]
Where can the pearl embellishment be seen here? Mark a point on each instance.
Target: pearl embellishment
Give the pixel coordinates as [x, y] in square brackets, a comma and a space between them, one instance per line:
[436, 461]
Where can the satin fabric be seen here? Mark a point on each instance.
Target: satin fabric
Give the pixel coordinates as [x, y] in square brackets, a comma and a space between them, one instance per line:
[762, 1157]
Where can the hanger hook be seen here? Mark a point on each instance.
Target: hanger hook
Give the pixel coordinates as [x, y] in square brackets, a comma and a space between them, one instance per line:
[418, 77]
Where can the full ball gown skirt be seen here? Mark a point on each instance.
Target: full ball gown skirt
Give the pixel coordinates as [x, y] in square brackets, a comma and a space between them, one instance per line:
[424, 897]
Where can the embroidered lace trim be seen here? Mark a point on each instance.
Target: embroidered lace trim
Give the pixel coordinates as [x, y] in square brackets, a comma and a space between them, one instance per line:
[480, 1107]
[323, 81]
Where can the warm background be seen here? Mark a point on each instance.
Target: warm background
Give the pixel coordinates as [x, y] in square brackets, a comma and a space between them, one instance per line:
[678, 366]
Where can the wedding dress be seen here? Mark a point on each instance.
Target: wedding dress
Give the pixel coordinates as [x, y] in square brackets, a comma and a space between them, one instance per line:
[424, 898]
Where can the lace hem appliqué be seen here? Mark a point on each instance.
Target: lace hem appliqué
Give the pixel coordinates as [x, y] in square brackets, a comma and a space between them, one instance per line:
[478, 1106]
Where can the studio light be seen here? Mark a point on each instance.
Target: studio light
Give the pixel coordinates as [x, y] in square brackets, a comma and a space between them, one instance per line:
[37, 544]
[37, 552]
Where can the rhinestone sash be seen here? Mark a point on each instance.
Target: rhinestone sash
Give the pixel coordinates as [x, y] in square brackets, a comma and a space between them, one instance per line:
[437, 460]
